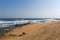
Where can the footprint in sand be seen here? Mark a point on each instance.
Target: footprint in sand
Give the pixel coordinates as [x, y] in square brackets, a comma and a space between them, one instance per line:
[23, 33]
[12, 35]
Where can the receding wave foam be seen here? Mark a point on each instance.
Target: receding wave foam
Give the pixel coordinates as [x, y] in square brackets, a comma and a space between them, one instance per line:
[9, 23]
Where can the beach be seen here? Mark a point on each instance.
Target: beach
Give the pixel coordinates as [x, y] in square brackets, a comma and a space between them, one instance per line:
[35, 31]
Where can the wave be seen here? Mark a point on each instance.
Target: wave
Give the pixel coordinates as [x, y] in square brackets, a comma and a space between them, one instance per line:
[9, 23]
[20, 22]
[50, 20]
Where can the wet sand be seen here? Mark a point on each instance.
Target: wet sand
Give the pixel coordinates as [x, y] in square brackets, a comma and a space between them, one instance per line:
[39, 31]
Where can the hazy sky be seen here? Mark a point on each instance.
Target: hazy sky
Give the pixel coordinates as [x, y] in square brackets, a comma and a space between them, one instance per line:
[30, 8]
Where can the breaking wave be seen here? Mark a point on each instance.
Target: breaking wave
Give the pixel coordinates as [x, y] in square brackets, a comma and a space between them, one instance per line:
[20, 22]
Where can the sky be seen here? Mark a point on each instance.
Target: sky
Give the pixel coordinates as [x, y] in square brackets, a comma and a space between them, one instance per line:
[29, 8]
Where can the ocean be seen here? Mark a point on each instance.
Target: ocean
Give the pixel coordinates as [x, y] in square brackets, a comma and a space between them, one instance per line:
[8, 22]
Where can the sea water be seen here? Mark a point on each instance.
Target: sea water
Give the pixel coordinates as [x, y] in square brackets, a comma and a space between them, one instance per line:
[8, 22]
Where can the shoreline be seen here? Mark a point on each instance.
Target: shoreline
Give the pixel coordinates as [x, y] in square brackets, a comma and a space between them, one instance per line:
[37, 31]
[5, 30]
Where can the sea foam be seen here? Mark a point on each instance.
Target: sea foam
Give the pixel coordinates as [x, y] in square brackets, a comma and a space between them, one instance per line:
[20, 22]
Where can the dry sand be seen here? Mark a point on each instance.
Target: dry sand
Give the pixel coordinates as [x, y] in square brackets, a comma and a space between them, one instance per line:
[41, 31]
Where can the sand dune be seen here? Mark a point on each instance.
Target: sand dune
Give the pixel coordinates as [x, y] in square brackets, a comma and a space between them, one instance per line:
[40, 31]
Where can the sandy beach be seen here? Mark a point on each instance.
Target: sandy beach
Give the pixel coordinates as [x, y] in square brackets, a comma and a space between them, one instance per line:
[39, 31]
